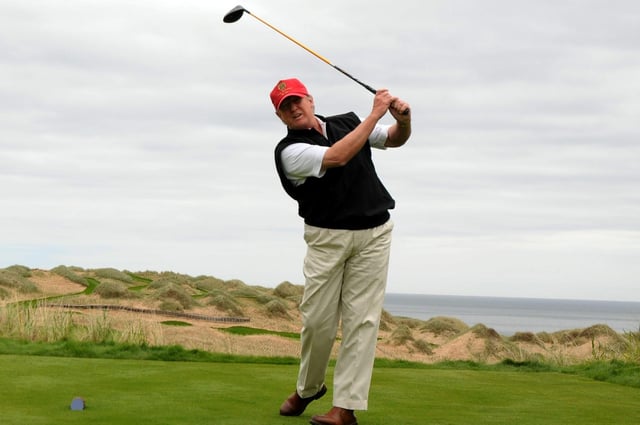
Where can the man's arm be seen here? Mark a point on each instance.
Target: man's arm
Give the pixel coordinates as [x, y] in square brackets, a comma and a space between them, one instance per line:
[400, 131]
[341, 152]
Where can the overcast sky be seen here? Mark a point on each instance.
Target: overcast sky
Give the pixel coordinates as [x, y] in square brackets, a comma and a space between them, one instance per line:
[139, 135]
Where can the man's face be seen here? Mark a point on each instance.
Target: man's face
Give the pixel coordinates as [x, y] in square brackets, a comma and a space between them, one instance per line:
[297, 112]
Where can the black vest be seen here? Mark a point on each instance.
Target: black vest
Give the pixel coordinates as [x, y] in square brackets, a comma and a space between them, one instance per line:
[350, 197]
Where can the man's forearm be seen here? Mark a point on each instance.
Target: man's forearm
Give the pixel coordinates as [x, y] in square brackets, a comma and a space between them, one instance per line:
[398, 134]
[346, 148]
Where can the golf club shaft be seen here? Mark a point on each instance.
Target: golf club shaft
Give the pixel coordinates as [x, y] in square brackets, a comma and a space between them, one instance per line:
[236, 13]
[322, 58]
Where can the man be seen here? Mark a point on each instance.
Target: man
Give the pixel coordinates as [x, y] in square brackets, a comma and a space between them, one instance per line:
[325, 165]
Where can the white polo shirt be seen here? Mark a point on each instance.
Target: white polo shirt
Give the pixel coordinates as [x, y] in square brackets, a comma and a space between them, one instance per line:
[302, 160]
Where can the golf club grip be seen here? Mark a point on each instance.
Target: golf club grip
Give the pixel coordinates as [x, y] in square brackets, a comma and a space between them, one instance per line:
[366, 86]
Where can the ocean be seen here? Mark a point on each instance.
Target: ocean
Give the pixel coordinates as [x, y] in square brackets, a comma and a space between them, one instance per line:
[510, 315]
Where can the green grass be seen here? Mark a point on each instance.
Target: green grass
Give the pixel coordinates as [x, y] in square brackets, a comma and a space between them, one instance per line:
[112, 350]
[244, 330]
[614, 371]
[38, 390]
[140, 279]
[92, 284]
[178, 323]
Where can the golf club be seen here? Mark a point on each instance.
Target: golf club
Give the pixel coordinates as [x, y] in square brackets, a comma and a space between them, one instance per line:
[236, 13]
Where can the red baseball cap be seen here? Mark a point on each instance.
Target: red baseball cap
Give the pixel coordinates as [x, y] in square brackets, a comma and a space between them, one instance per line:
[287, 88]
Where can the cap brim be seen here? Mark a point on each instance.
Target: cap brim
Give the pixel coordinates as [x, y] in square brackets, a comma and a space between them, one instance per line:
[290, 95]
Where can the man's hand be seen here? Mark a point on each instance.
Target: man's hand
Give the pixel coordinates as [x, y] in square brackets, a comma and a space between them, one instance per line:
[400, 110]
[399, 132]
[382, 103]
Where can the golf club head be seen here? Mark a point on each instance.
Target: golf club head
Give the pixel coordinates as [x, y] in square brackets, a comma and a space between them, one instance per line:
[234, 14]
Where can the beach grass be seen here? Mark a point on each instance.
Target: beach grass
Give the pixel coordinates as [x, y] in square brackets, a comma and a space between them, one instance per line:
[39, 390]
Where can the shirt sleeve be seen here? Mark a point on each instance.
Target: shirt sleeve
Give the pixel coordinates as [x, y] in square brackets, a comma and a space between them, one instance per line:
[378, 136]
[302, 160]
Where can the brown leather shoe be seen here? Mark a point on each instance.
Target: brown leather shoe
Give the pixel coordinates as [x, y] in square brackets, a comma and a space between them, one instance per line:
[336, 416]
[295, 405]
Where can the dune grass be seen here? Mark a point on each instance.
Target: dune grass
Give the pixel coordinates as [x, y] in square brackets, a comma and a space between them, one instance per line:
[39, 389]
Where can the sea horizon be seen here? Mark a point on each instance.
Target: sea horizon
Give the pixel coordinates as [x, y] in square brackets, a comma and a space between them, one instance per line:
[509, 315]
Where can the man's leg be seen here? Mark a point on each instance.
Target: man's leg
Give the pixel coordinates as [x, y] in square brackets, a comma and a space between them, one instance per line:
[363, 292]
[327, 250]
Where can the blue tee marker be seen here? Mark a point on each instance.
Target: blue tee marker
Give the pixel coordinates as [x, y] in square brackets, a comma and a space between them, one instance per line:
[77, 403]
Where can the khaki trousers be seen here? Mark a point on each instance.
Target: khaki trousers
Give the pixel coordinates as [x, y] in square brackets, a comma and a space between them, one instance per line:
[346, 277]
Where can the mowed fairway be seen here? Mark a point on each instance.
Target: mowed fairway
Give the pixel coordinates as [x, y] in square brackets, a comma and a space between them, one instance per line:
[39, 390]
